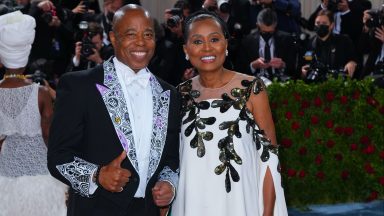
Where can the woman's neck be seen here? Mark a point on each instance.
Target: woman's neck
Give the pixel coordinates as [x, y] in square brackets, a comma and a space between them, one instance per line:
[14, 71]
[214, 79]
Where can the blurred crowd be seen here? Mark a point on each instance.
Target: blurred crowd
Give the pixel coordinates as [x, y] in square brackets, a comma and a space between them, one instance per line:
[268, 38]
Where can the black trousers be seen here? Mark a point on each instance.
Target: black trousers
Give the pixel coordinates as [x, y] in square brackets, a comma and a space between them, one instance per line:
[137, 207]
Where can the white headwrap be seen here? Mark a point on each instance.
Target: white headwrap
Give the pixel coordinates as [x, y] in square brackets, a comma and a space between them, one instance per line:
[17, 32]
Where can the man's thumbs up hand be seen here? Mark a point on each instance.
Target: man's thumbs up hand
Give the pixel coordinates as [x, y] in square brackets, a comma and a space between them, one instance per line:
[112, 177]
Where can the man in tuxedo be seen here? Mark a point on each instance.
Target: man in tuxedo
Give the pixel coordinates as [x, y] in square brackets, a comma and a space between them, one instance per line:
[267, 52]
[115, 132]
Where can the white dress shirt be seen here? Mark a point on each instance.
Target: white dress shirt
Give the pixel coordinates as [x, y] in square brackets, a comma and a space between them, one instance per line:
[271, 43]
[337, 16]
[138, 95]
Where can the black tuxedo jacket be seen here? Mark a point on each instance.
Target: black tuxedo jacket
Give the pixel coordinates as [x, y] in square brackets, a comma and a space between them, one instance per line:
[249, 51]
[91, 127]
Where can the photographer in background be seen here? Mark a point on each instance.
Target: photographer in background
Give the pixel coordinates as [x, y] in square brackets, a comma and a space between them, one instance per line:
[267, 52]
[90, 51]
[372, 42]
[173, 27]
[288, 13]
[347, 15]
[335, 52]
[54, 34]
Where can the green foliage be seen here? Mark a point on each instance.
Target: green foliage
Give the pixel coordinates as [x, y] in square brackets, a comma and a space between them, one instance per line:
[332, 140]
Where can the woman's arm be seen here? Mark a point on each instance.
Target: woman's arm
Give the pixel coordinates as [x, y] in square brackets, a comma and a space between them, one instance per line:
[46, 111]
[259, 106]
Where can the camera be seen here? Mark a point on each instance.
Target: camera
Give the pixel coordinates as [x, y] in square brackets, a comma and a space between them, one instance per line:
[317, 70]
[376, 20]
[378, 69]
[87, 46]
[176, 17]
[86, 42]
[224, 6]
[320, 72]
[47, 16]
[38, 77]
[378, 74]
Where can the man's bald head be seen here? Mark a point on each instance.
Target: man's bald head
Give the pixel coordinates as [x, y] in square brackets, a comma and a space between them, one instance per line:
[133, 36]
[127, 9]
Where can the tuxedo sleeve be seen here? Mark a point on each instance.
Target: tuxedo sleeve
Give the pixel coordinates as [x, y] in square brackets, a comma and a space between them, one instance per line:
[66, 134]
[170, 171]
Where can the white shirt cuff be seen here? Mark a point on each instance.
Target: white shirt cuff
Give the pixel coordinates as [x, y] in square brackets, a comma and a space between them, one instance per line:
[75, 62]
[253, 70]
[92, 185]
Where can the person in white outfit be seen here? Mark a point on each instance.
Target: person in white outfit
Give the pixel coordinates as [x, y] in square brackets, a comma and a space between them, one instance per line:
[26, 187]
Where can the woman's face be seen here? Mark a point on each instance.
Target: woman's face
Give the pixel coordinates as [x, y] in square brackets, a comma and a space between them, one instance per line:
[206, 45]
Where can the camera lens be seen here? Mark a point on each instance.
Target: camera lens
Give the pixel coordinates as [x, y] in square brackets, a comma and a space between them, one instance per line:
[224, 6]
[87, 47]
[47, 17]
[173, 21]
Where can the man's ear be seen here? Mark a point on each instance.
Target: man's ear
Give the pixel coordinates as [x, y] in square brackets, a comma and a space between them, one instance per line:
[112, 38]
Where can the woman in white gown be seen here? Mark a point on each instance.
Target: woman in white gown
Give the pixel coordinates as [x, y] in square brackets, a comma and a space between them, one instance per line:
[228, 154]
[26, 187]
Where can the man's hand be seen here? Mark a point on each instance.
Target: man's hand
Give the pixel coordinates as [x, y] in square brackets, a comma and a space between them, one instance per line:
[304, 70]
[350, 68]
[259, 64]
[80, 8]
[46, 5]
[78, 50]
[112, 177]
[277, 63]
[95, 57]
[379, 33]
[162, 193]
[366, 17]
[55, 22]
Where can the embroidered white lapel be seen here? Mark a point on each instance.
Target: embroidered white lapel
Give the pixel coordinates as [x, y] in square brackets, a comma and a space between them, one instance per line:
[116, 105]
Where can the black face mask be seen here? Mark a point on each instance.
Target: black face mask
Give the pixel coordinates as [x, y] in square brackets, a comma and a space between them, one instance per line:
[322, 30]
[266, 35]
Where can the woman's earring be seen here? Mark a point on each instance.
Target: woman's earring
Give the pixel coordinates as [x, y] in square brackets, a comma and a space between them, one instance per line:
[226, 52]
[186, 57]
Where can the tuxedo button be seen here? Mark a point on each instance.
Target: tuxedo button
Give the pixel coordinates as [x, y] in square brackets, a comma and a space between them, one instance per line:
[134, 179]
